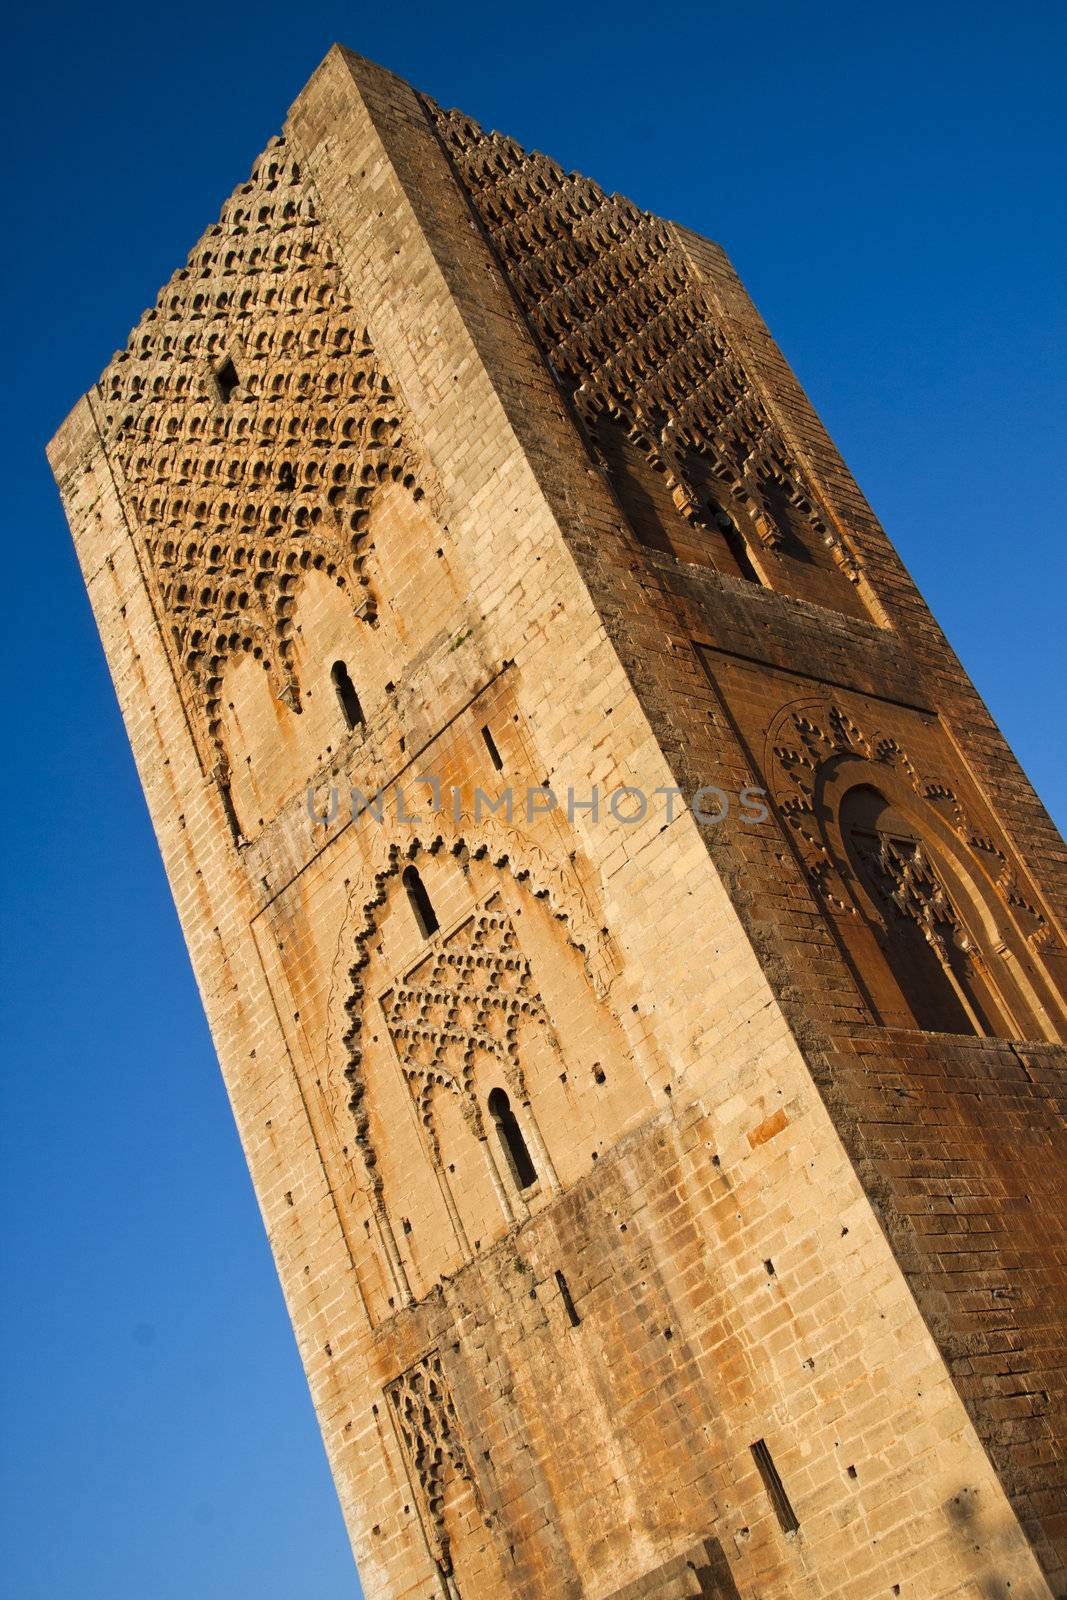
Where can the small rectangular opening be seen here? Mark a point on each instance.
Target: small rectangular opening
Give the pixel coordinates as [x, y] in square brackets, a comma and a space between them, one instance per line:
[568, 1301]
[227, 379]
[774, 1487]
[420, 902]
[490, 744]
[229, 809]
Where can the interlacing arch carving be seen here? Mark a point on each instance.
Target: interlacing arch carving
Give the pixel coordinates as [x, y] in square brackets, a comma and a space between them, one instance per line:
[477, 993]
[428, 1428]
[252, 427]
[630, 333]
[818, 747]
[908, 882]
[438, 1022]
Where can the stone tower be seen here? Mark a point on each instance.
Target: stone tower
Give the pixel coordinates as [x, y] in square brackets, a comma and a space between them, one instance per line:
[631, 948]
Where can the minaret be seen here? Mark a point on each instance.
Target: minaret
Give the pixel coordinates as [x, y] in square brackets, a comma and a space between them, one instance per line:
[630, 945]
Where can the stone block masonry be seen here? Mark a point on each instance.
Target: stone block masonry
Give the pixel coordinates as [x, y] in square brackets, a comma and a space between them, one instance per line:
[662, 1208]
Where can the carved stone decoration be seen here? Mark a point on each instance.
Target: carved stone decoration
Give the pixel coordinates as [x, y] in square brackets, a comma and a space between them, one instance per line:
[507, 853]
[428, 1429]
[631, 334]
[909, 887]
[470, 996]
[252, 426]
[816, 752]
[805, 742]
[801, 741]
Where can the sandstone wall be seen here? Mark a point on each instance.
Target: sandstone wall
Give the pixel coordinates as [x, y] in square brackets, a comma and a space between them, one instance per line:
[776, 1313]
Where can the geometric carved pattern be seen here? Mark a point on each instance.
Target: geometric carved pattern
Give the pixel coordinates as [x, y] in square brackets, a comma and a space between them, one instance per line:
[803, 743]
[801, 746]
[908, 887]
[429, 1433]
[252, 427]
[528, 865]
[631, 335]
[464, 1001]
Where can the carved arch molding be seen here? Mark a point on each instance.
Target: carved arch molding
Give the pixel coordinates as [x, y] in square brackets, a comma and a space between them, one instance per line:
[250, 425]
[472, 993]
[944, 867]
[423, 1411]
[474, 990]
[424, 1415]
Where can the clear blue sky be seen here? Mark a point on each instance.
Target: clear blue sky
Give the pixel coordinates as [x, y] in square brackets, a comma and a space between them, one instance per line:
[887, 180]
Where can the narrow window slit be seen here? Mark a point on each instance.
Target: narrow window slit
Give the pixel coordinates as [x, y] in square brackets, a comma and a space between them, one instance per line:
[490, 744]
[346, 695]
[568, 1300]
[774, 1487]
[230, 810]
[520, 1162]
[735, 542]
[420, 902]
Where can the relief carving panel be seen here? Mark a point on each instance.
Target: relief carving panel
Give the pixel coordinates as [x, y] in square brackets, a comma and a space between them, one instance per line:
[629, 330]
[251, 425]
[428, 1430]
[465, 1001]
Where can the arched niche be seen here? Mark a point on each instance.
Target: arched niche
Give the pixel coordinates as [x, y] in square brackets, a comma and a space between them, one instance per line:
[457, 1526]
[261, 740]
[511, 1138]
[584, 1087]
[335, 636]
[412, 1217]
[272, 749]
[378, 1287]
[439, 1192]
[931, 936]
[704, 513]
[921, 933]
[474, 1561]
[348, 644]
[472, 1179]
[411, 572]
[495, 1000]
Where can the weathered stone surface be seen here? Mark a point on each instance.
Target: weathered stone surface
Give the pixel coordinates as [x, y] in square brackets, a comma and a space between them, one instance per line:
[664, 1205]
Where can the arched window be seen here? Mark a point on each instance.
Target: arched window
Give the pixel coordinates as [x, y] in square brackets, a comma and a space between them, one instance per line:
[792, 528]
[420, 902]
[227, 380]
[931, 953]
[733, 539]
[520, 1162]
[346, 694]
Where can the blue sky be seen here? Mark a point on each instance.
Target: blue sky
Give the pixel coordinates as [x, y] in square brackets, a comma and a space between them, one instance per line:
[888, 182]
